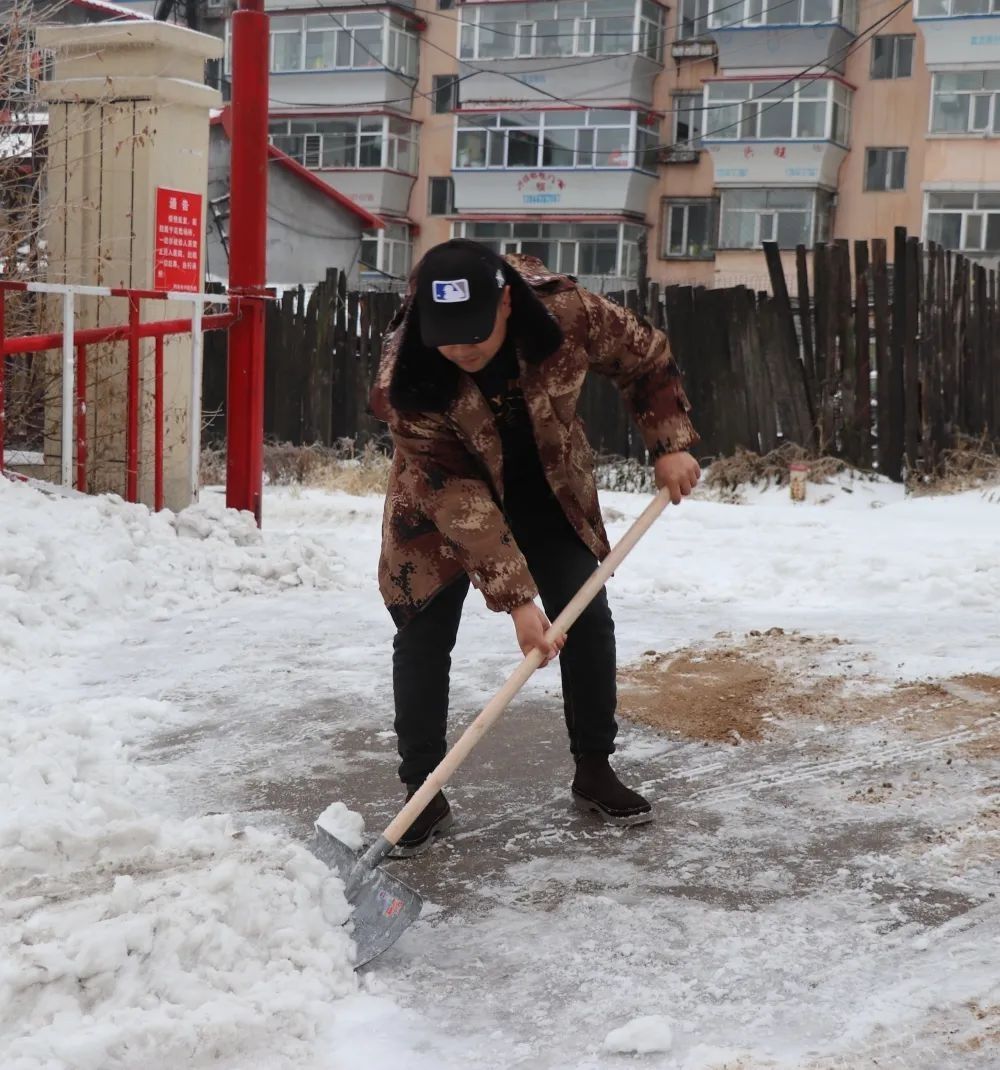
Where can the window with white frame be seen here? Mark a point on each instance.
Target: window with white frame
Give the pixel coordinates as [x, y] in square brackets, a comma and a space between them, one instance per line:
[388, 251]
[561, 28]
[892, 55]
[347, 40]
[724, 13]
[578, 248]
[693, 20]
[599, 138]
[967, 220]
[807, 109]
[930, 9]
[382, 142]
[688, 115]
[788, 216]
[965, 102]
[688, 227]
[885, 170]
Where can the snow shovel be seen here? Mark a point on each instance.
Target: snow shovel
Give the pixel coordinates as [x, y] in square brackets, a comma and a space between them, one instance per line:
[383, 906]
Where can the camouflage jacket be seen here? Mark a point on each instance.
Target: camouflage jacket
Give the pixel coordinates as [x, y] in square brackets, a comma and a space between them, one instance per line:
[444, 505]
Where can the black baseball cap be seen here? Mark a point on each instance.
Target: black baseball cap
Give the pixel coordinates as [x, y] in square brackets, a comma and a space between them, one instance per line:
[458, 288]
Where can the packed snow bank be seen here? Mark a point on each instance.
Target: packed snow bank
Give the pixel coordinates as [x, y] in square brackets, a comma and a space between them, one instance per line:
[642, 1036]
[129, 937]
[67, 562]
[211, 950]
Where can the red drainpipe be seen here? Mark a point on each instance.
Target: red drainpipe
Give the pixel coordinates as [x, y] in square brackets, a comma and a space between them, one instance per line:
[247, 257]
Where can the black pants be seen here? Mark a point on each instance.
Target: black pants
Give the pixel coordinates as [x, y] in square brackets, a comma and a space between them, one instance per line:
[421, 662]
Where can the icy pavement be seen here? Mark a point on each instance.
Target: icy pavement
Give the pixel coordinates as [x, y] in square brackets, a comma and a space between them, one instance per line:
[787, 909]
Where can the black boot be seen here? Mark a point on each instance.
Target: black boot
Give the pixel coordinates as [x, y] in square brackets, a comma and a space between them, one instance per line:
[435, 819]
[596, 787]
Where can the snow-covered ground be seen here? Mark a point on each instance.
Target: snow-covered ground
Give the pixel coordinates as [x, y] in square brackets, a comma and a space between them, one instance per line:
[153, 670]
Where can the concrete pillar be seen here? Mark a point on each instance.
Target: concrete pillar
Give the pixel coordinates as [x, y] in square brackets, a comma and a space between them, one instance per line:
[128, 114]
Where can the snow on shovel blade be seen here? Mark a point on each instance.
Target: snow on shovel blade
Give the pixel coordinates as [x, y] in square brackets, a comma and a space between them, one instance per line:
[383, 906]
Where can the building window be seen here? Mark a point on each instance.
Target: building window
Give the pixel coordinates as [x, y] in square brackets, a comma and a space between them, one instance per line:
[564, 138]
[806, 110]
[561, 28]
[788, 216]
[388, 251]
[967, 220]
[693, 20]
[381, 142]
[688, 228]
[892, 55]
[689, 108]
[445, 93]
[724, 13]
[885, 169]
[966, 103]
[600, 249]
[441, 195]
[348, 40]
[930, 9]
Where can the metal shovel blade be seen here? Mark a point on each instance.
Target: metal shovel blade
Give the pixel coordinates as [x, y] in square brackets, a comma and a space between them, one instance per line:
[383, 906]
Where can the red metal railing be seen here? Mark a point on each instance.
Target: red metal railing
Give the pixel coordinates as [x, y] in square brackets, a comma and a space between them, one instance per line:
[74, 344]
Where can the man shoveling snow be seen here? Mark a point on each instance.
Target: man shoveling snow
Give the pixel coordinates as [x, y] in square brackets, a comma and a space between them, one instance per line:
[492, 485]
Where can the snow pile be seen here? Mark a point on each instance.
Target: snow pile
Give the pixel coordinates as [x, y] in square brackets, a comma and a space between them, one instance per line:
[208, 945]
[129, 937]
[68, 561]
[343, 824]
[642, 1036]
[126, 936]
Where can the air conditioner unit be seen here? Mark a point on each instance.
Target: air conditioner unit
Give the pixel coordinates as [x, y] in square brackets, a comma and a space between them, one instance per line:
[216, 7]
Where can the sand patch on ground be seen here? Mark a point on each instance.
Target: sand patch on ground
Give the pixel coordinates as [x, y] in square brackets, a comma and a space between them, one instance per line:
[742, 691]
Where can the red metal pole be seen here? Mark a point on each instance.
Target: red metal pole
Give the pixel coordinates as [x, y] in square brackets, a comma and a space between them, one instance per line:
[158, 428]
[247, 257]
[81, 418]
[3, 376]
[132, 416]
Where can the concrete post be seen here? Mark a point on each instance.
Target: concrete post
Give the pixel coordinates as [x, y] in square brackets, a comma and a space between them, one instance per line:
[128, 114]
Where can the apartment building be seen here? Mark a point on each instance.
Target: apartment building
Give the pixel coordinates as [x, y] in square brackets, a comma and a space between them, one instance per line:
[580, 130]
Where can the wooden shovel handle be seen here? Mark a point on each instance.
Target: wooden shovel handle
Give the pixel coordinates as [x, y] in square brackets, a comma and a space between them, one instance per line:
[519, 677]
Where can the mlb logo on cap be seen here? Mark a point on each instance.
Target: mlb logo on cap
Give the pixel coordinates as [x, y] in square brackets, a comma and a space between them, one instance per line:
[451, 291]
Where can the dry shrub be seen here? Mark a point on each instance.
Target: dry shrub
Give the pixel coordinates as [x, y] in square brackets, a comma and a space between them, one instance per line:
[727, 476]
[617, 473]
[973, 463]
[340, 467]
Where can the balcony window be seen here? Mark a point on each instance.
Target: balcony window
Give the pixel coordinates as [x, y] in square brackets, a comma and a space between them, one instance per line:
[723, 13]
[348, 40]
[788, 216]
[807, 110]
[688, 228]
[892, 55]
[599, 138]
[561, 28]
[388, 252]
[610, 249]
[966, 220]
[351, 141]
[935, 9]
[966, 103]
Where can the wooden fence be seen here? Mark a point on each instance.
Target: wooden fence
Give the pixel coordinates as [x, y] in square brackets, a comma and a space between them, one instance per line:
[880, 362]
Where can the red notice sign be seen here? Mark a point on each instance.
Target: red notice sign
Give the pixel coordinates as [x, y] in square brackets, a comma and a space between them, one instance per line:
[177, 242]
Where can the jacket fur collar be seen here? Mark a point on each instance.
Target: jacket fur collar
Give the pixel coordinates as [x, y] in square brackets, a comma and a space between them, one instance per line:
[424, 381]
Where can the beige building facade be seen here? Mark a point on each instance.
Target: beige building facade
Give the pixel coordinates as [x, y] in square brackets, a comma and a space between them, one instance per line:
[581, 130]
